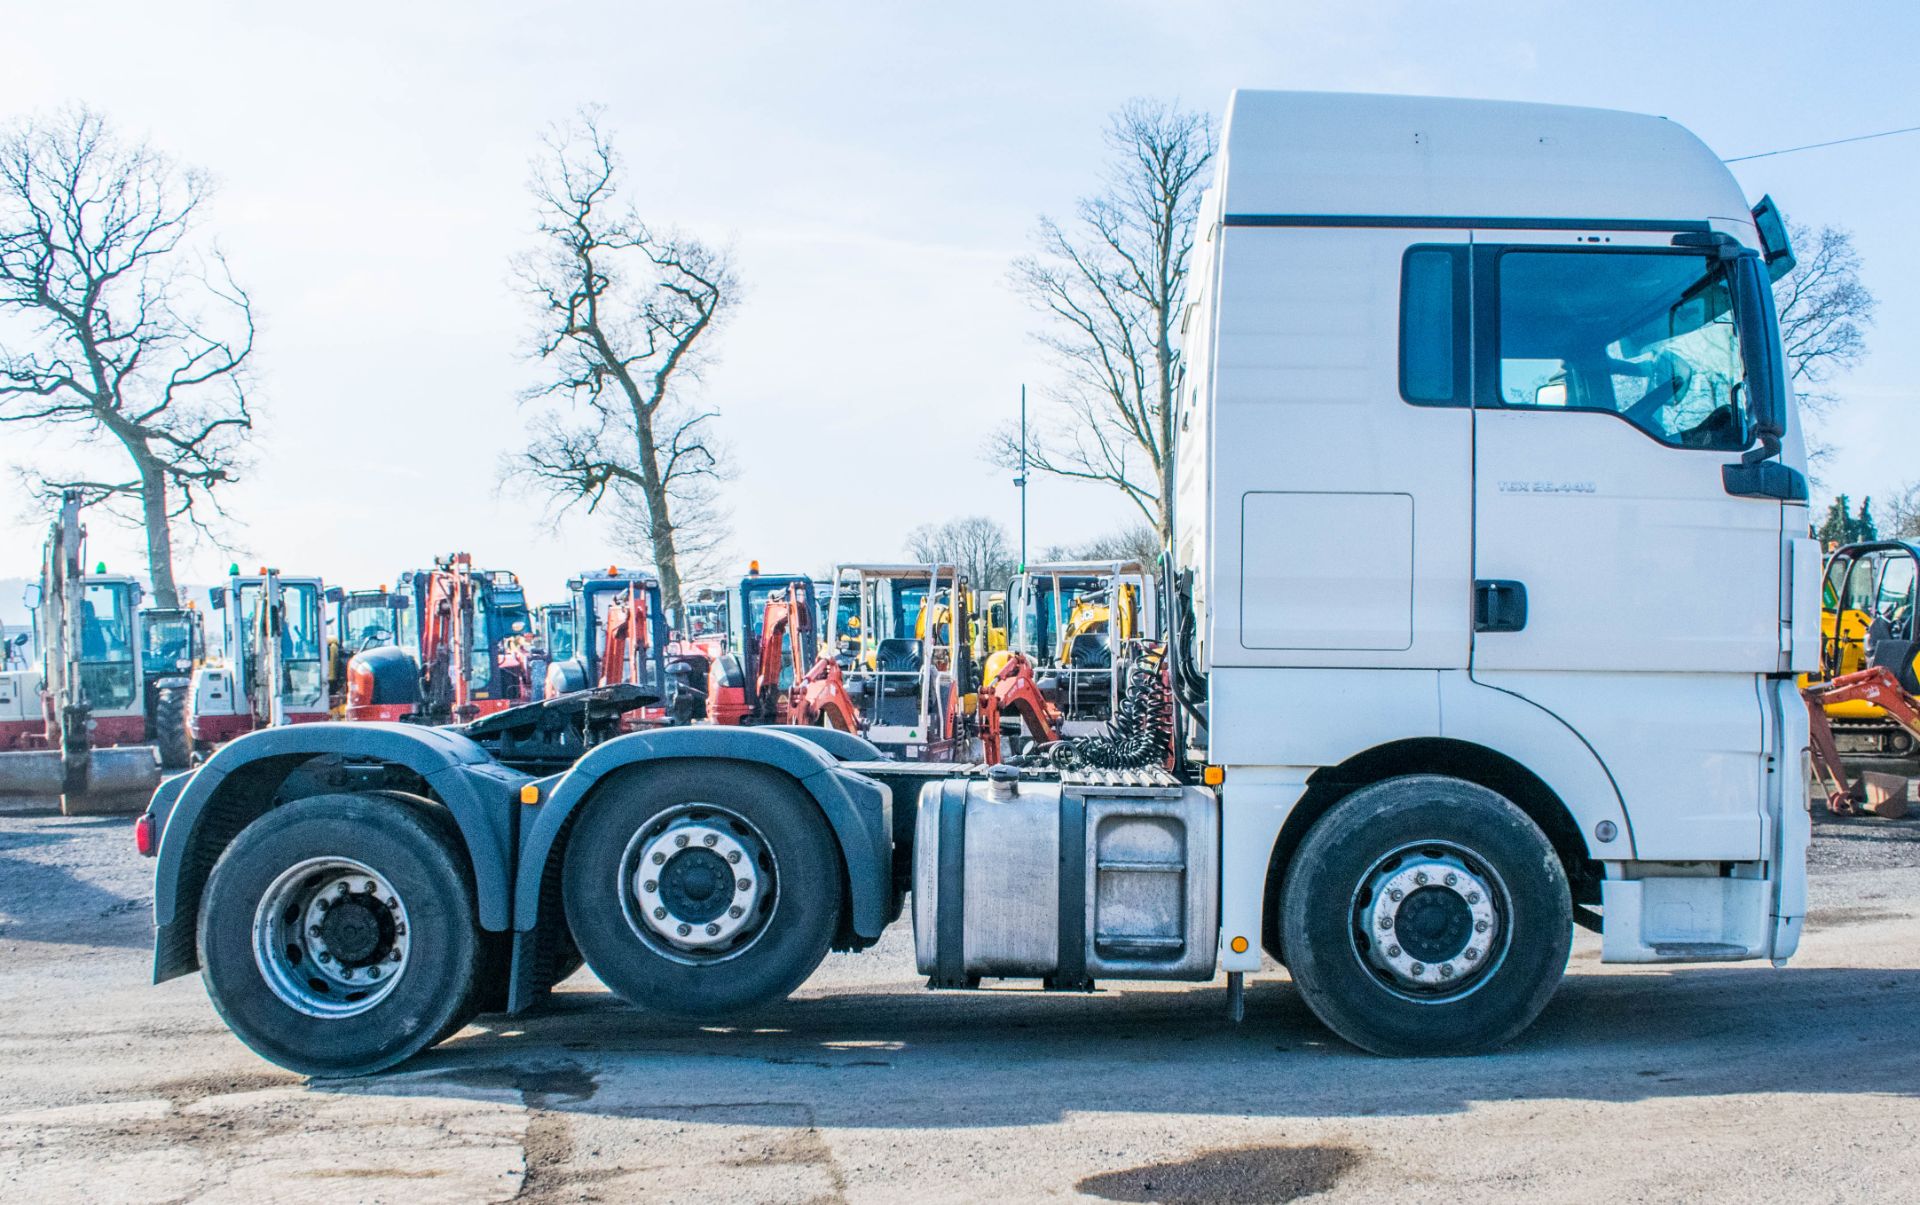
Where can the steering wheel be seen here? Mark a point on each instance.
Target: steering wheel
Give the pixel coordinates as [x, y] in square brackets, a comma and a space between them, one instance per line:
[1672, 377]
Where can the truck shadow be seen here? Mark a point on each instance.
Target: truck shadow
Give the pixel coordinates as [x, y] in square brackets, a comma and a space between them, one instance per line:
[905, 1058]
[45, 900]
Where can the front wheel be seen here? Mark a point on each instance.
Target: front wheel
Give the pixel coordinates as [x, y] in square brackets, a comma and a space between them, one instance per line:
[702, 889]
[339, 933]
[1426, 916]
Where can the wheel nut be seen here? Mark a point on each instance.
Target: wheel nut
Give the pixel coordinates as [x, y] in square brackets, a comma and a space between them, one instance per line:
[1452, 879]
[1420, 877]
[342, 888]
[710, 839]
[313, 931]
[733, 855]
[1418, 968]
[373, 972]
[1386, 922]
[713, 930]
[745, 884]
[1446, 970]
[393, 903]
[1473, 897]
[683, 930]
[659, 858]
[394, 957]
[736, 912]
[1470, 954]
[649, 886]
[1393, 951]
[659, 914]
[1479, 926]
[325, 957]
[681, 841]
[323, 904]
[1396, 895]
[372, 886]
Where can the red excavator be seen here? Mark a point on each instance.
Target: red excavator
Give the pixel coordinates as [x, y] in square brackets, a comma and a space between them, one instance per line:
[1013, 690]
[437, 684]
[771, 681]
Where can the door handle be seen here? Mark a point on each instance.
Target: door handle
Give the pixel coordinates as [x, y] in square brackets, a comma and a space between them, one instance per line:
[1499, 605]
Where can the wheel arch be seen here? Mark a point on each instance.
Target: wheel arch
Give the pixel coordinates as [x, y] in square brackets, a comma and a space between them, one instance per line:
[1465, 760]
[857, 810]
[254, 773]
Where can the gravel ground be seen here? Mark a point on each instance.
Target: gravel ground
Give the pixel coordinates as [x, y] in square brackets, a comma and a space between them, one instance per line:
[1739, 1082]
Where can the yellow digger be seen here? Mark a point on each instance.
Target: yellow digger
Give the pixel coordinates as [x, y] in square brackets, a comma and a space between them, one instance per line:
[1862, 699]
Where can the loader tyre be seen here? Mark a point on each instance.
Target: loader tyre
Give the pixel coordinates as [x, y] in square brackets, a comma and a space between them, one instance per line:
[1424, 916]
[702, 889]
[339, 934]
[170, 731]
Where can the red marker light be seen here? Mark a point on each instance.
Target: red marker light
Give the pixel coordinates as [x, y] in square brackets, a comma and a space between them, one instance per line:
[144, 838]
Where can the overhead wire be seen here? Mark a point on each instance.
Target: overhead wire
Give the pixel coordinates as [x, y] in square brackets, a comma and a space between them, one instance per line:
[1814, 146]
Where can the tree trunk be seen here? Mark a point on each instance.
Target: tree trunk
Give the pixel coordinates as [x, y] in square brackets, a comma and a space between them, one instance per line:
[666, 561]
[153, 505]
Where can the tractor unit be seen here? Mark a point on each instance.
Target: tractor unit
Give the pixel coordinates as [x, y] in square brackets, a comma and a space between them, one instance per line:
[1398, 738]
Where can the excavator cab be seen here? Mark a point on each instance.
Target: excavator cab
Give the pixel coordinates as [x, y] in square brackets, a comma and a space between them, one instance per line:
[1074, 620]
[1867, 603]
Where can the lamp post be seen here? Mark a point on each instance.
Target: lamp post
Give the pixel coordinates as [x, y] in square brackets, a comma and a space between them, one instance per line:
[1021, 480]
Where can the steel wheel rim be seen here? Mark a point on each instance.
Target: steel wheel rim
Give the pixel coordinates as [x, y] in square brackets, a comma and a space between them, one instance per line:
[1431, 921]
[331, 938]
[675, 896]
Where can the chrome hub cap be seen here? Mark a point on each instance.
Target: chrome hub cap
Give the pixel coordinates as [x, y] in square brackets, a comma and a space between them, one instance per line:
[698, 883]
[330, 937]
[1429, 920]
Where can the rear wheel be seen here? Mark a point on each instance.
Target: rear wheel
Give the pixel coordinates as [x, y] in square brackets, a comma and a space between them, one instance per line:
[699, 890]
[339, 933]
[1426, 916]
[170, 732]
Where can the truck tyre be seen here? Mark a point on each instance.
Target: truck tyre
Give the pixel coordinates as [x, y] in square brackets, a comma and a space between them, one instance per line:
[339, 933]
[1426, 916]
[170, 732]
[699, 889]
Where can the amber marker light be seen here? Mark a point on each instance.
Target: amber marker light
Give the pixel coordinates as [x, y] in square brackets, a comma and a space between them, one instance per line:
[1213, 776]
[530, 794]
[1239, 945]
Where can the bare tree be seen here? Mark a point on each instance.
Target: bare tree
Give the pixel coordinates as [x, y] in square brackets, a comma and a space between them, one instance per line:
[976, 545]
[119, 325]
[1824, 312]
[1903, 513]
[1134, 542]
[626, 313]
[1112, 289]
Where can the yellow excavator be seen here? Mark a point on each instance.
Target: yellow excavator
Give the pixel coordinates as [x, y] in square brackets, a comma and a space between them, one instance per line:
[1862, 700]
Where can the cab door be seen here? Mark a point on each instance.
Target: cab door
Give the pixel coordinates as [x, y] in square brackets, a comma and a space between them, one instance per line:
[1618, 584]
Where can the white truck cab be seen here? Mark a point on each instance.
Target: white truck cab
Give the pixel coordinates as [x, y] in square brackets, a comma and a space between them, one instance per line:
[1482, 402]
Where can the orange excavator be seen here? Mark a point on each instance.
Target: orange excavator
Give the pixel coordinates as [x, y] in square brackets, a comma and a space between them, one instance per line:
[436, 684]
[752, 693]
[1013, 690]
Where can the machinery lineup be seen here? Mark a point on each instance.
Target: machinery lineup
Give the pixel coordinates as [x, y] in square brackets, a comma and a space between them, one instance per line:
[890, 653]
[1364, 717]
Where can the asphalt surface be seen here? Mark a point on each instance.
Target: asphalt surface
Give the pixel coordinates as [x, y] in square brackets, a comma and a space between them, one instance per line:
[1722, 1083]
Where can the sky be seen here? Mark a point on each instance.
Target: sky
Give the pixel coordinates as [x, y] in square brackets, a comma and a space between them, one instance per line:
[874, 169]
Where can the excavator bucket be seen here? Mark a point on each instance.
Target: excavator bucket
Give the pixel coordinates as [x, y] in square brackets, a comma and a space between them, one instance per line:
[119, 779]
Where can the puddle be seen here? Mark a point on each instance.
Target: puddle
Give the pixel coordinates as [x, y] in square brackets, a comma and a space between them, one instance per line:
[1229, 1177]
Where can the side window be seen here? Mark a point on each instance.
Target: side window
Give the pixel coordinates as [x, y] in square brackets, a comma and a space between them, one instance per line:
[1433, 326]
[1895, 601]
[1647, 335]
